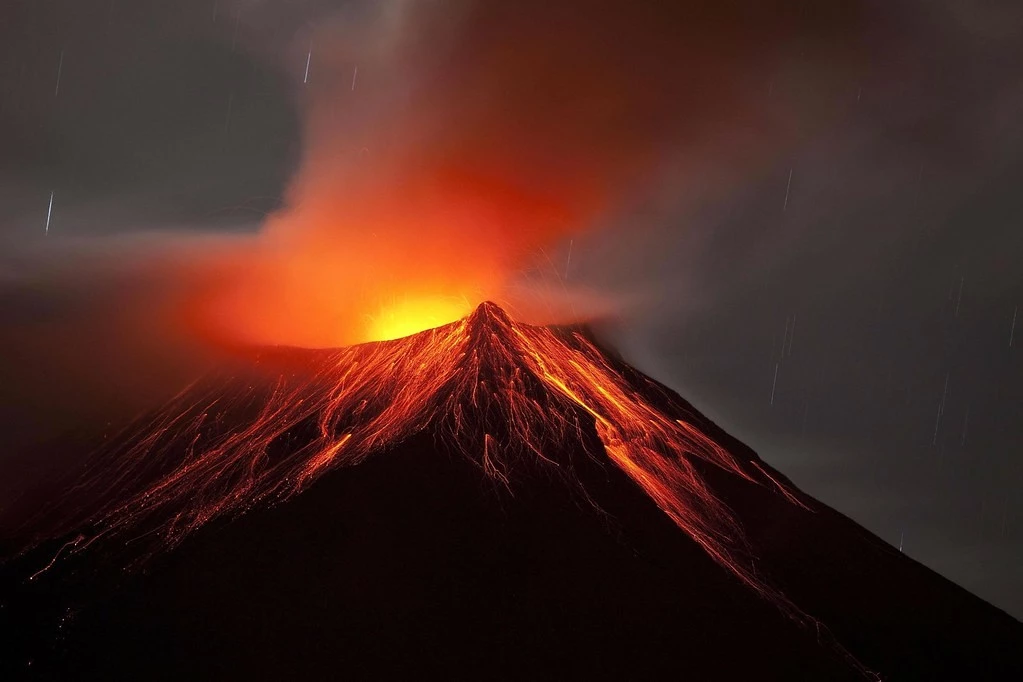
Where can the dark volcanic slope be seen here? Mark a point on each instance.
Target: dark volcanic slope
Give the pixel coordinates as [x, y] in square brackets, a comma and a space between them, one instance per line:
[422, 562]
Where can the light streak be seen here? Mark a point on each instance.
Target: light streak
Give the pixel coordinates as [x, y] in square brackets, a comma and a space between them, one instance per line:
[788, 186]
[49, 214]
[774, 384]
[77, 540]
[60, 67]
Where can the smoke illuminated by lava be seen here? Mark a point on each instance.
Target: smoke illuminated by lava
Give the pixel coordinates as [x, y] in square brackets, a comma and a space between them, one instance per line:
[445, 153]
[450, 146]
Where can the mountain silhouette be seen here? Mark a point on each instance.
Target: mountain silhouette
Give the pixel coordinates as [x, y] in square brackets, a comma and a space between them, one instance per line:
[485, 500]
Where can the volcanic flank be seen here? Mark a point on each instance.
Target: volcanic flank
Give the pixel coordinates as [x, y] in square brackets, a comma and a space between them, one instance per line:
[484, 499]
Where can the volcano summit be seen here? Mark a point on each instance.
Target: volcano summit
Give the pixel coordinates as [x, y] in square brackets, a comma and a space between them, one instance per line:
[486, 499]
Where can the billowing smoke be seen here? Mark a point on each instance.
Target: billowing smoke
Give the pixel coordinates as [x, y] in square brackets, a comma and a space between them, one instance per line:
[450, 152]
[451, 147]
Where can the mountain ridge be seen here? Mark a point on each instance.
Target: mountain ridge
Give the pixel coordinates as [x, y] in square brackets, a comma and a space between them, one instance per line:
[581, 454]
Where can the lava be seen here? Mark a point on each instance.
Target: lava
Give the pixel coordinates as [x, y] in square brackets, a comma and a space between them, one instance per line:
[410, 315]
[494, 389]
[500, 393]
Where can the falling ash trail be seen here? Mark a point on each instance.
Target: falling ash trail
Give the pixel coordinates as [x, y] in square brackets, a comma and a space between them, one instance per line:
[775, 384]
[49, 214]
[788, 186]
[60, 67]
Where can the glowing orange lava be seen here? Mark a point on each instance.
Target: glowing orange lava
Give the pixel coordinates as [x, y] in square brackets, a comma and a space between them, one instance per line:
[499, 393]
[415, 314]
[493, 389]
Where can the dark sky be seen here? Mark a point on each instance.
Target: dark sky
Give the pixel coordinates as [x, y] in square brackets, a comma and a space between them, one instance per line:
[809, 220]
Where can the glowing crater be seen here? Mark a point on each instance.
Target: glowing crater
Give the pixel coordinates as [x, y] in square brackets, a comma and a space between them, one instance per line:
[415, 314]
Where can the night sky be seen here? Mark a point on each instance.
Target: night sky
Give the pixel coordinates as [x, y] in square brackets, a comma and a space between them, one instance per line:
[808, 220]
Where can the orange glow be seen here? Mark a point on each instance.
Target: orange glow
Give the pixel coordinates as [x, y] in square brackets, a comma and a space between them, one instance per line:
[371, 267]
[401, 217]
[412, 315]
[492, 389]
[467, 153]
[501, 394]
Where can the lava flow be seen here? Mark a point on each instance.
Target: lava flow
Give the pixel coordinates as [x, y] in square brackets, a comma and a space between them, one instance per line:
[492, 389]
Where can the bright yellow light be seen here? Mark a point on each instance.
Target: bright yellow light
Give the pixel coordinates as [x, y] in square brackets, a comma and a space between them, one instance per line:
[415, 314]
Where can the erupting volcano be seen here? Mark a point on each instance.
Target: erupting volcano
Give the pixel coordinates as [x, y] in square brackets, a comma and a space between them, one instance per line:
[485, 498]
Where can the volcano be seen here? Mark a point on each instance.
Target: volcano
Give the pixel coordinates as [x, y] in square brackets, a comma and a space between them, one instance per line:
[483, 500]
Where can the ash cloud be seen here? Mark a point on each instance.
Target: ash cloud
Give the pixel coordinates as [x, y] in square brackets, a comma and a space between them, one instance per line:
[475, 139]
[451, 145]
